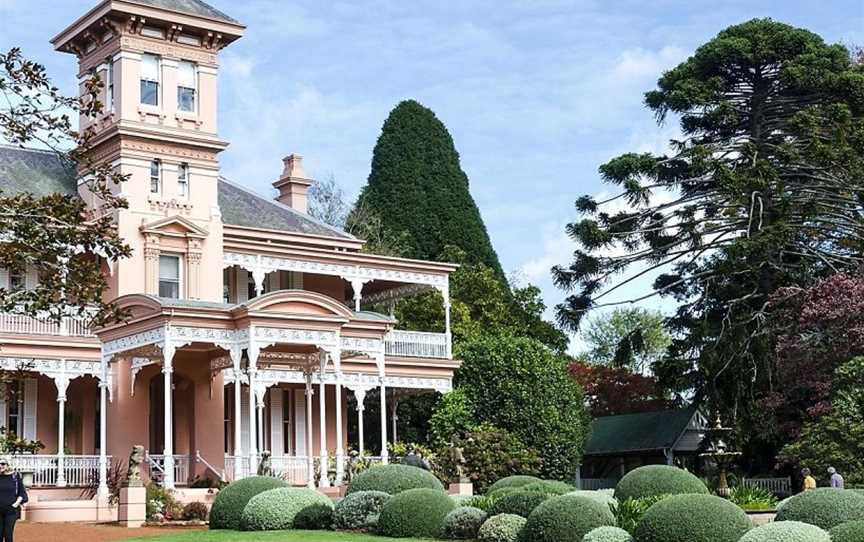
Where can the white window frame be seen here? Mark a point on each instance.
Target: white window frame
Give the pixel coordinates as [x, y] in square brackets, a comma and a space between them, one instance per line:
[157, 80]
[193, 88]
[183, 180]
[156, 180]
[109, 84]
[179, 258]
[16, 273]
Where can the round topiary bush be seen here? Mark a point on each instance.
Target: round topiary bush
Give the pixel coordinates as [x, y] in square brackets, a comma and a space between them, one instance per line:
[693, 518]
[549, 487]
[608, 534]
[602, 495]
[824, 507]
[653, 480]
[501, 528]
[276, 509]
[567, 518]
[232, 499]
[393, 479]
[360, 510]
[520, 503]
[852, 531]
[318, 517]
[474, 501]
[415, 513]
[787, 531]
[518, 480]
[462, 523]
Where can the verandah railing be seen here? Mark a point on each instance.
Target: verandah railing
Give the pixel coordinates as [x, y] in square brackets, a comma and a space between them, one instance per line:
[42, 325]
[78, 470]
[416, 344]
[156, 468]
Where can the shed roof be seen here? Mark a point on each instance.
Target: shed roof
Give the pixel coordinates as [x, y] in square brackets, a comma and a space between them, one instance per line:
[642, 432]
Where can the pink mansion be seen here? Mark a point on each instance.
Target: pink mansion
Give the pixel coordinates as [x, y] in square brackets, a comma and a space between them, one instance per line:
[247, 330]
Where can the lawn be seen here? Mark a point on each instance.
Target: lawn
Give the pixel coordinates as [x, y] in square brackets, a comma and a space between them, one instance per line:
[281, 536]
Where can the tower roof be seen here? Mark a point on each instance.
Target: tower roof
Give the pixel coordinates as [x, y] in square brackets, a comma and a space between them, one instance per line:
[189, 7]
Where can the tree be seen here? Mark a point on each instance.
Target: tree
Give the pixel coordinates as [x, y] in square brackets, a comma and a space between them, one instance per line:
[58, 235]
[764, 190]
[618, 390]
[627, 337]
[327, 202]
[417, 186]
[518, 385]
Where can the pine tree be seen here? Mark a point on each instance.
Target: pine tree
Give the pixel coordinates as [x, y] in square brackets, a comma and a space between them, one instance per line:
[417, 188]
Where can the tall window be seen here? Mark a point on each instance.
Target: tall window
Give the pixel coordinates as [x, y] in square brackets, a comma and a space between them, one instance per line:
[109, 84]
[17, 278]
[150, 79]
[155, 176]
[169, 276]
[183, 180]
[187, 86]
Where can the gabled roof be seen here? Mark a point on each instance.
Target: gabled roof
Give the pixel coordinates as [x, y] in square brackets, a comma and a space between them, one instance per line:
[41, 173]
[242, 207]
[189, 7]
[643, 432]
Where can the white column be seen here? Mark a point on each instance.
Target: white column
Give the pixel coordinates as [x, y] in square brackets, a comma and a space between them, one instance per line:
[259, 402]
[445, 293]
[360, 395]
[62, 384]
[103, 433]
[168, 452]
[236, 357]
[253, 432]
[385, 455]
[340, 444]
[357, 288]
[322, 425]
[310, 461]
[394, 417]
[260, 277]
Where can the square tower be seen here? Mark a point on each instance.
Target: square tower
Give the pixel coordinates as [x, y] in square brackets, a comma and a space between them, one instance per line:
[158, 60]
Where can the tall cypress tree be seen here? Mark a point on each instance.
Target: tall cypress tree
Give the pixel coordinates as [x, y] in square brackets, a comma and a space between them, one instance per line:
[417, 188]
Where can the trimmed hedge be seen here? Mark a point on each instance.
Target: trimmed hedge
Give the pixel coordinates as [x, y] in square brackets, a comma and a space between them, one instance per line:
[549, 487]
[653, 480]
[693, 518]
[567, 518]
[463, 523]
[787, 531]
[318, 517]
[824, 507]
[518, 480]
[520, 503]
[474, 501]
[232, 499]
[608, 534]
[415, 513]
[852, 531]
[501, 528]
[359, 510]
[393, 479]
[276, 509]
[600, 495]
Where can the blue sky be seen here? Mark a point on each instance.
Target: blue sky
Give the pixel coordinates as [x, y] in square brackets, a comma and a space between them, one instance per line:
[535, 93]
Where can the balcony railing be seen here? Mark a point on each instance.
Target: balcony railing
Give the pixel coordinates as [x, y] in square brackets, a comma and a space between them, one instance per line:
[29, 325]
[156, 468]
[417, 344]
[78, 470]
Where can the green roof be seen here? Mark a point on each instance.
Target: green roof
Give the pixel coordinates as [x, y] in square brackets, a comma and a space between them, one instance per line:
[189, 7]
[643, 432]
[41, 173]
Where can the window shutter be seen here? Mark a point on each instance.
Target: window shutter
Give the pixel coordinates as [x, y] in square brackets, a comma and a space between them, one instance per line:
[277, 447]
[242, 286]
[31, 388]
[4, 418]
[244, 423]
[300, 422]
[4, 277]
[31, 279]
[186, 74]
[296, 280]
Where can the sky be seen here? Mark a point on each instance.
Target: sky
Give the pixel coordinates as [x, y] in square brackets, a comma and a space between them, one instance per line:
[536, 94]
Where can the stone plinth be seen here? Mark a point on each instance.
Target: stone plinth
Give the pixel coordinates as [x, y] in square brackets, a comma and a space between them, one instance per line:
[133, 507]
[462, 488]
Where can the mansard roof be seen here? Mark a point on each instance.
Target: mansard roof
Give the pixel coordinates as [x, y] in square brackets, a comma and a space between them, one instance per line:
[189, 7]
[46, 172]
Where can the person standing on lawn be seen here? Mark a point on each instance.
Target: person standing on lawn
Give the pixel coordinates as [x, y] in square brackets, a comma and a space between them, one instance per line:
[809, 481]
[12, 496]
[837, 481]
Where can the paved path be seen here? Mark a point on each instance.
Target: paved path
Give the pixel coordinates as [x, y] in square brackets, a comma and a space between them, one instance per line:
[76, 532]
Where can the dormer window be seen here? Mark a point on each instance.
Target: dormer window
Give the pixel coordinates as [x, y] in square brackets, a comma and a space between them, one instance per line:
[183, 180]
[187, 86]
[155, 177]
[150, 69]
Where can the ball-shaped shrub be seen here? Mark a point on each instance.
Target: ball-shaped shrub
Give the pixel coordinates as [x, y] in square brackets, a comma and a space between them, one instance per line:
[608, 534]
[521, 503]
[393, 479]
[501, 528]
[318, 517]
[276, 509]
[852, 531]
[462, 523]
[359, 510]
[653, 480]
[603, 495]
[518, 480]
[824, 507]
[232, 499]
[550, 487]
[787, 531]
[415, 513]
[567, 518]
[693, 518]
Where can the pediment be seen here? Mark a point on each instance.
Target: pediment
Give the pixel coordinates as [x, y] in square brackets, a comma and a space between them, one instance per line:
[174, 226]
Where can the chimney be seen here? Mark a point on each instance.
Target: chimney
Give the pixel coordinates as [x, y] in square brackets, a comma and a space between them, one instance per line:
[293, 184]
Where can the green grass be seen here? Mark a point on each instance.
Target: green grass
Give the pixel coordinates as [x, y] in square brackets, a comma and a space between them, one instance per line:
[280, 536]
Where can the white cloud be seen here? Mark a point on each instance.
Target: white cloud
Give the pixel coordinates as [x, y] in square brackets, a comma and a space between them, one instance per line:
[639, 64]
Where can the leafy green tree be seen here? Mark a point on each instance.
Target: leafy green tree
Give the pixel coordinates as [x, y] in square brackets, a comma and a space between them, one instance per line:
[417, 186]
[626, 337]
[763, 190]
[517, 384]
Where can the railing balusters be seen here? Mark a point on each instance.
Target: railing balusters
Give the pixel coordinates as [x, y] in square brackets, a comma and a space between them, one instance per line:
[80, 470]
[416, 344]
